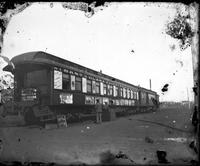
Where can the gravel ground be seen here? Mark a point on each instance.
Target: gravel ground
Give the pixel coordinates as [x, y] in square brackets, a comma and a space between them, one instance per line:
[127, 140]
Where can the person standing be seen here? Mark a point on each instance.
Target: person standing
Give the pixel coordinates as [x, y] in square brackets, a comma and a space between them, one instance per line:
[0, 97]
[1, 105]
[98, 108]
[106, 112]
[195, 119]
[106, 107]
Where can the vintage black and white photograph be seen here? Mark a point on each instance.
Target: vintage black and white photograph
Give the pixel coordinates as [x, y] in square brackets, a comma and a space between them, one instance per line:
[99, 83]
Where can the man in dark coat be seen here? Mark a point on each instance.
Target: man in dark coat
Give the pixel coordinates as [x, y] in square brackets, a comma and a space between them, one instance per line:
[1, 103]
[195, 119]
[98, 108]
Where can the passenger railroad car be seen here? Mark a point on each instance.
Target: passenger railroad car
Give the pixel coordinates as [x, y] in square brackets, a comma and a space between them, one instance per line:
[46, 85]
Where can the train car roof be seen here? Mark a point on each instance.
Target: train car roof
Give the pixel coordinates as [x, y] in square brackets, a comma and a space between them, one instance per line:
[46, 58]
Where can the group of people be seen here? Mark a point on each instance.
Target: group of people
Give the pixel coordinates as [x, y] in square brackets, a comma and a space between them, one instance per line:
[99, 109]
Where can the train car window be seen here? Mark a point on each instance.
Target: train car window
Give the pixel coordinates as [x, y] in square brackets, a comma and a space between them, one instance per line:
[110, 90]
[72, 82]
[104, 89]
[89, 86]
[78, 83]
[134, 95]
[101, 88]
[97, 85]
[124, 92]
[128, 93]
[116, 91]
[93, 87]
[84, 85]
[121, 92]
[66, 81]
[131, 94]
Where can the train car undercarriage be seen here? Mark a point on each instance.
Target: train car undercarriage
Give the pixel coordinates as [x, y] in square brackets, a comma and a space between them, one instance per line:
[41, 115]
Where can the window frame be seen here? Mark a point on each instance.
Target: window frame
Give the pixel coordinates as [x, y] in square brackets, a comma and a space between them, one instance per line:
[105, 89]
[128, 93]
[80, 83]
[124, 93]
[97, 87]
[116, 91]
[64, 79]
[121, 92]
[132, 94]
[89, 80]
[110, 89]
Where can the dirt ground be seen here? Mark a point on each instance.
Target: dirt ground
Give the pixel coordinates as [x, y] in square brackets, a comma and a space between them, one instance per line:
[127, 140]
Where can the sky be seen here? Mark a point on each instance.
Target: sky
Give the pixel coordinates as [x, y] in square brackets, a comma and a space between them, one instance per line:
[124, 40]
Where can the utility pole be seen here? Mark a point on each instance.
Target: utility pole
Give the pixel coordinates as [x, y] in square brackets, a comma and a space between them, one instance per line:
[150, 83]
[188, 99]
